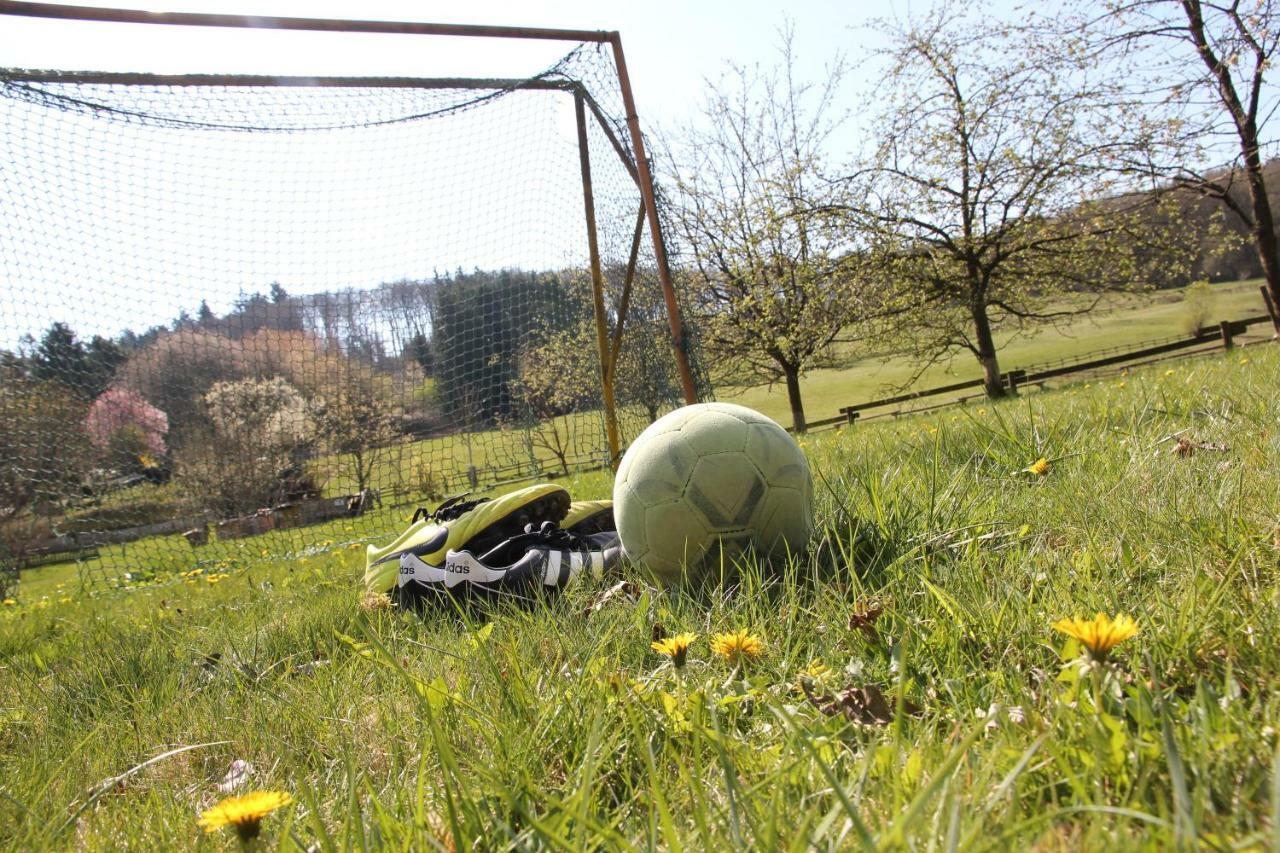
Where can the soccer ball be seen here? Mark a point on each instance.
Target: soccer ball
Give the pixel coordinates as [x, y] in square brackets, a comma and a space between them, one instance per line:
[707, 482]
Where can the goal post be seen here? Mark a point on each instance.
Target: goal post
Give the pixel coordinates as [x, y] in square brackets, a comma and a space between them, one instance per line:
[366, 375]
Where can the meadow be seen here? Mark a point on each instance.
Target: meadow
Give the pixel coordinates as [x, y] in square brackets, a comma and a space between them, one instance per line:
[1125, 320]
[911, 691]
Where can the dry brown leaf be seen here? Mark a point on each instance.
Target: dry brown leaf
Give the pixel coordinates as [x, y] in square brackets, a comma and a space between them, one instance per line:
[1186, 447]
[621, 590]
[863, 706]
[864, 616]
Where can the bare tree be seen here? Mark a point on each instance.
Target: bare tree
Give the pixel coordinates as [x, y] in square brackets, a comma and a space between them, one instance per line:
[553, 380]
[993, 200]
[758, 223]
[1201, 68]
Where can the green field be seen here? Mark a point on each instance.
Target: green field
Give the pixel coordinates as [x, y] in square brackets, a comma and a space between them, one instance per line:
[1128, 320]
[552, 725]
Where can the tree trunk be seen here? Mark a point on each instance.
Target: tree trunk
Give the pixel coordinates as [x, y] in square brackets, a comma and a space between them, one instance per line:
[792, 374]
[1246, 122]
[1264, 233]
[986, 351]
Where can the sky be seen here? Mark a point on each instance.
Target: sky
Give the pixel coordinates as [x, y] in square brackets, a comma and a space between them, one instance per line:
[671, 46]
[137, 227]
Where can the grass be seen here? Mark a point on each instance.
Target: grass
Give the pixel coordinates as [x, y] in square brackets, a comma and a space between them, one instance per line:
[553, 725]
[1130, 319]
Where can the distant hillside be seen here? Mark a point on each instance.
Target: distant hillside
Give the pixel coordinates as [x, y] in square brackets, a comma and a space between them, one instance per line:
[1233, 258]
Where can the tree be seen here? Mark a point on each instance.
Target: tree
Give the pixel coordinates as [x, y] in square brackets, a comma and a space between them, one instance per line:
[482, 319]
[60, 357]
[993, 199]
[554, 379]
[356, 417]
[419, 349]
[205, 316]
[44, 455]
[646, 372]
[120, 409]
[756, 221]
[176, 369]
[250, 449]
[1204, 66]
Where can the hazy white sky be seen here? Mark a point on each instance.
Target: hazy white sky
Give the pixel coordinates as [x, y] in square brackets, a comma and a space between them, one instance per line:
[88, 245]
[670, 45]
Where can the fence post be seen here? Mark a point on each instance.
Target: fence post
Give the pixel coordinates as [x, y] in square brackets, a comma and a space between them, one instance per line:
[850, 417]
[1227, 330]
[1016, 378]
[1272, 309]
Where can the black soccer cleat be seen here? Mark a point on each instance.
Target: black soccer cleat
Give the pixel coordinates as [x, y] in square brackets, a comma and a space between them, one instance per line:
[544, 555]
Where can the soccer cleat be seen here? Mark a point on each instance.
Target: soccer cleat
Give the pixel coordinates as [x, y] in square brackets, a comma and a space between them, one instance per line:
[589, 517]
[456, 523]
[544, 554]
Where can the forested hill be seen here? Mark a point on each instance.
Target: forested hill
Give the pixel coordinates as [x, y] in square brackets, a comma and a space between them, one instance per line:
[1225, 252]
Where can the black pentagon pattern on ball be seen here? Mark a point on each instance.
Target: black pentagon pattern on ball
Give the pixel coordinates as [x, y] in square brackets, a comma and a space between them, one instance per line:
[706, 482]
[734, 508]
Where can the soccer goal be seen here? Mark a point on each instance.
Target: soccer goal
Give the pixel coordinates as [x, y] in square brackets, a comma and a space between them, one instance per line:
[248, 315]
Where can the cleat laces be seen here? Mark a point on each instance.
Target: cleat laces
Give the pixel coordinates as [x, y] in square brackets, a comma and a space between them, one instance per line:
[451, 509]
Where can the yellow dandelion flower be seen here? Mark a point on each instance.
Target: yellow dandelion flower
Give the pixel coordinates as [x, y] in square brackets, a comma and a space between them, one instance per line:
[1244, 360]
[737, 647]
[1040, 467]
[9, 602]
[816, 670]
[1120, 384]
[676, 648]
[1100, 635]
[244, 812]
[1170, 372]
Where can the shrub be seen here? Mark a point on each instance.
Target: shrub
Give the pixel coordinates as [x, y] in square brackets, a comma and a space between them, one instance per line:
[128, 430]
[1197, 301]
[249, 452]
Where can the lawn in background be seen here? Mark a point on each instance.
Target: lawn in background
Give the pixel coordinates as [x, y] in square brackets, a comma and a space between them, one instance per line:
[939, 567]
[1130, 320]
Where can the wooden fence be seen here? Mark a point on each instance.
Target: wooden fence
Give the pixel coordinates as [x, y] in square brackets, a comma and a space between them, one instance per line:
[1208, 338]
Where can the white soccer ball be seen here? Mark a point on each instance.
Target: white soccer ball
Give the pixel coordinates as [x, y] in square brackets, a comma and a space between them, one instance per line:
[707, 482]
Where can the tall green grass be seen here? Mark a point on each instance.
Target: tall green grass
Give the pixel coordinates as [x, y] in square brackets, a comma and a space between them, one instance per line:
[553, 725]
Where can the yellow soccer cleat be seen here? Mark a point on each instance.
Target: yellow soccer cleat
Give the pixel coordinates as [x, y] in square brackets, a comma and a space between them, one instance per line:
[415, 560]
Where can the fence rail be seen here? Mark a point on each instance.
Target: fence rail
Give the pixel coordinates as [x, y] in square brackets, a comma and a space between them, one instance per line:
[1223, 334]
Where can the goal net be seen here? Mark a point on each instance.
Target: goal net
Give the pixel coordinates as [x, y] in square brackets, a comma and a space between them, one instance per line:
[245, 317]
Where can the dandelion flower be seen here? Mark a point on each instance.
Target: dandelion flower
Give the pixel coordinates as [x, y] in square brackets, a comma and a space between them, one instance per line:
[816, 671]
[676, 648]
[1040, 467]
[244, 813]
[9, 602]
[1100, 635]
[737, 647]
